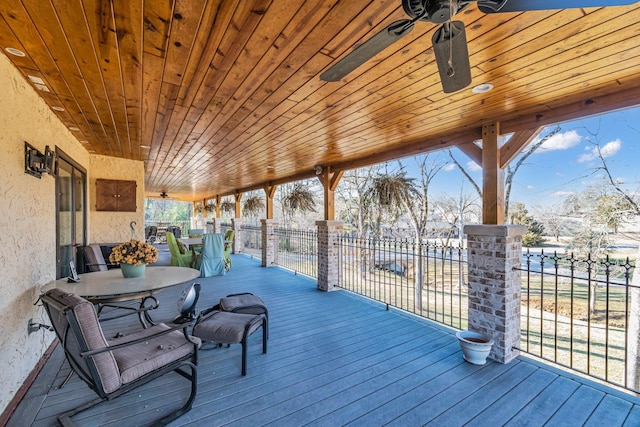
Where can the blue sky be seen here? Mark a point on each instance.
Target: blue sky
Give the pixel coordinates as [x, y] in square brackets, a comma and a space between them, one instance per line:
[565, 163]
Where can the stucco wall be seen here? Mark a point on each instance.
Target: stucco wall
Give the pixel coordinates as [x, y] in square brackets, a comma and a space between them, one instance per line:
[113, 227]
[27, 220]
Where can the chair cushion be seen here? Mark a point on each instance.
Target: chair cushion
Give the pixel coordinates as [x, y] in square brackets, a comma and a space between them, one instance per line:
[140, 359]
[181, 247]
[244, 303]
[224, 327]
[91, 332]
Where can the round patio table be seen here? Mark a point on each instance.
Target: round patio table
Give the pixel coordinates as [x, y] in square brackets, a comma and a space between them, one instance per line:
[104, 288]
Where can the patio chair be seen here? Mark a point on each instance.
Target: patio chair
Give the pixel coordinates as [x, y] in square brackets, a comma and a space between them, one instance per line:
[114, 367]
[94, 258]
[178, 259]
[177, 231]
[210, 261]
[196, 233]
[224, 327]
[228, 247]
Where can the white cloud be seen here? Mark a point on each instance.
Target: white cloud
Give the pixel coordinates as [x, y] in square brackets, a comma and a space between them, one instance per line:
[563, 193]
[449, 167]
[607, 150]
[559, 141]
[531, 187]
[473, 166]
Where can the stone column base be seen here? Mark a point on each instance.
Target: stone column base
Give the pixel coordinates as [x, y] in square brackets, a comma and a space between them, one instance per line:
[328, 254]
[493, 253]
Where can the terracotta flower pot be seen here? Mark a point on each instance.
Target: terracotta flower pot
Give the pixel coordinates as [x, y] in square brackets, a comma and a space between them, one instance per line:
[475, 346]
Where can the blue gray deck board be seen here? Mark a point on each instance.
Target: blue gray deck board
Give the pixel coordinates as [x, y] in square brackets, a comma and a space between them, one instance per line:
[335, 359]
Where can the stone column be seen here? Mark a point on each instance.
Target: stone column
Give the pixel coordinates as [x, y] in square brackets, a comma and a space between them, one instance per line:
[328, 254]
[238, 240]
[493, 253]
[269, 242]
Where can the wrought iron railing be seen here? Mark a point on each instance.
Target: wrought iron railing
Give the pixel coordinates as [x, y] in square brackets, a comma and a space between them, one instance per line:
[252, 236]
[298, 250]
[225, 226]
[577, 313]
[426, 279]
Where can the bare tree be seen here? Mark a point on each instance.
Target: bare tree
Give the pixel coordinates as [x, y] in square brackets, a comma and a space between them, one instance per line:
[360, 210]
[357, 208]
[416, 203]
[619, 204]
[458, 211]
[629, 211]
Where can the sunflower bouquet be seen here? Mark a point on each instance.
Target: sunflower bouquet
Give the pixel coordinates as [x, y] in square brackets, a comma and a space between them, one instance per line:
[134, 252]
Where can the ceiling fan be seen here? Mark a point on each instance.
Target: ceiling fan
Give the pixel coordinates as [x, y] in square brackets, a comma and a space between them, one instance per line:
[449, 41]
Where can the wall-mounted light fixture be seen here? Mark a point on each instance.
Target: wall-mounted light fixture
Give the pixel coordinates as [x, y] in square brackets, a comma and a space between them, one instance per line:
[37, 163]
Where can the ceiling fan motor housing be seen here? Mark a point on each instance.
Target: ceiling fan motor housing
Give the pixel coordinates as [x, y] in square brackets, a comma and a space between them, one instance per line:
[438, 11]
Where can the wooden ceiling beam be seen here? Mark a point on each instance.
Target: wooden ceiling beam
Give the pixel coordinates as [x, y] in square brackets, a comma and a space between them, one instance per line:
[473, 151]
[413, 148]
[589, 106]
[516, 143]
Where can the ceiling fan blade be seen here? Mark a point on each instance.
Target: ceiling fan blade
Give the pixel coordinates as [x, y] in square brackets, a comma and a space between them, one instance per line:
[367, 50]
[452, 56]
[526, 5]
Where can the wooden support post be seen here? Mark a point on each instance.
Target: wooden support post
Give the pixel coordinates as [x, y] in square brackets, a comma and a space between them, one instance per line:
[218, 206]
[238, 197]
[492, 176]
[270, 191]
[330, 180]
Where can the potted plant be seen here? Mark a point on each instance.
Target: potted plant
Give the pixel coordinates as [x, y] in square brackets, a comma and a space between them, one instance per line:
[475, 346]
[253, 205]
[300, 197]
[133, 256]
[210, 207]
[227, 206]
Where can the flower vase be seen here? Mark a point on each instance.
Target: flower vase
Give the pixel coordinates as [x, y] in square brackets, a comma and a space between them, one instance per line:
[130, 270]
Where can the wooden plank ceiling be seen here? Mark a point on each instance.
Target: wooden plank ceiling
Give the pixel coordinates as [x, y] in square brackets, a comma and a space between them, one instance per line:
[222, 96]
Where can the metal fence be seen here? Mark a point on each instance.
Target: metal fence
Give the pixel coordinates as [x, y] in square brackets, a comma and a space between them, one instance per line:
[252, 240]
[298, 250]
[577, 313]
[426, 279]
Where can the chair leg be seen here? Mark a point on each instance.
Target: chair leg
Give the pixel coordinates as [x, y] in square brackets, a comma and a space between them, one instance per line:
[265, 335]
[244, 356]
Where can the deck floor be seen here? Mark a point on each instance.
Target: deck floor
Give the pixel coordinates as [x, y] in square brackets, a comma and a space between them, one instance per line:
[335, 359]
